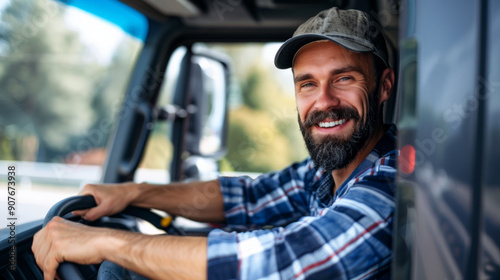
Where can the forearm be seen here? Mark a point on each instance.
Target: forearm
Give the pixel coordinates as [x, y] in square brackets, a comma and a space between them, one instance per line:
[199, 201]
[158, 256]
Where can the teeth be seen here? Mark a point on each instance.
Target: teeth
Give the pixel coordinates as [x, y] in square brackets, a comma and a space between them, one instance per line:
[332, 124]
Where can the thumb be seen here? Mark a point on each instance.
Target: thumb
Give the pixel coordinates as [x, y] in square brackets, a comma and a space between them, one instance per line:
[95, 213]
[102, 209]
[80, 212]
[90, 214]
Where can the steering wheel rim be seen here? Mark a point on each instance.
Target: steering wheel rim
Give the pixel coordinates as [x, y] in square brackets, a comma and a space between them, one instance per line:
[67, 270]
[68, 205]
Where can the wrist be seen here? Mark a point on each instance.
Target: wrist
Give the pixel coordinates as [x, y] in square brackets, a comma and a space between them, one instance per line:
[136, 192]
[117, 244]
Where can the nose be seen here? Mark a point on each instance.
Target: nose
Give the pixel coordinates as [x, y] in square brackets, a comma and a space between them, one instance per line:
[326, 98]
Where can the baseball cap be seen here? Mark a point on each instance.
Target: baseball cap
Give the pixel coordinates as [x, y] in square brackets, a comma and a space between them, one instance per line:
[354, 30]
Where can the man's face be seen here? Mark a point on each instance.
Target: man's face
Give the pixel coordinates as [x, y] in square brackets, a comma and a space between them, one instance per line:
[336, 102]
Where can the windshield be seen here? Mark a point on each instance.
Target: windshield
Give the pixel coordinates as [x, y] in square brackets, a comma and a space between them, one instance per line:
[63, 73]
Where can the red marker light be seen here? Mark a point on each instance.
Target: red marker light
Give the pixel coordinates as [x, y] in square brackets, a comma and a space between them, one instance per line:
[407, 159]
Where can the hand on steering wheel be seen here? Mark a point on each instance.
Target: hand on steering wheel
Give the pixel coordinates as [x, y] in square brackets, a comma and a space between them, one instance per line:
[70, 270]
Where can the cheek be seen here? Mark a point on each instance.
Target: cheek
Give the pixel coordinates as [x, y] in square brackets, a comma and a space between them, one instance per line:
[361, 101]
[303, 106]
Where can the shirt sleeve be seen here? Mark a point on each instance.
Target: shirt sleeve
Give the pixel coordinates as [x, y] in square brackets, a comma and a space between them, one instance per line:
[271, 199]
[350, 239]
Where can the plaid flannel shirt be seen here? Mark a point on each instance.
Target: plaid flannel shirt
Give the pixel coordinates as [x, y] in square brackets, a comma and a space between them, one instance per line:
[315, 235]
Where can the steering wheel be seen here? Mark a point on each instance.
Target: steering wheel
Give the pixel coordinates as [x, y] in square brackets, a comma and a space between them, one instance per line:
[68, 270]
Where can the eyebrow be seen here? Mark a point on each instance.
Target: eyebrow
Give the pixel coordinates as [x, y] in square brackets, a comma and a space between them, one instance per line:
[302, 77]
[346, 69]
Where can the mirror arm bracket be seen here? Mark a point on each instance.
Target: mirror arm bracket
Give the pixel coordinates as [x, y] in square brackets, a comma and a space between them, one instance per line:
[172, 112]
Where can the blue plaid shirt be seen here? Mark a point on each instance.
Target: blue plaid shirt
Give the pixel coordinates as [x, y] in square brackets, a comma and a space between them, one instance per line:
[315, 235]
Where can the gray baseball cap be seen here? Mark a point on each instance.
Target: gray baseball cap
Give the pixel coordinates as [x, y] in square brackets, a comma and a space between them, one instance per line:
[354, 30]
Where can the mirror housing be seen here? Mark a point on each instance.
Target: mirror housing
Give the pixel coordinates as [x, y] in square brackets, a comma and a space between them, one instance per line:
[208, 95]
[198, 112]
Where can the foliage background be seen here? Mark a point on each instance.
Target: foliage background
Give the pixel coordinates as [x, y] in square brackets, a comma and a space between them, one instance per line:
[264, 134]
[58, 98]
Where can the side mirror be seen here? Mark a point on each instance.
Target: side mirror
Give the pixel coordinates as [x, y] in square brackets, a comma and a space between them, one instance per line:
[199, 112]
[208, 92]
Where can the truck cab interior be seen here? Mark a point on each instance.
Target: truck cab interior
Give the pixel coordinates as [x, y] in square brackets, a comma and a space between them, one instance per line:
[445, 104]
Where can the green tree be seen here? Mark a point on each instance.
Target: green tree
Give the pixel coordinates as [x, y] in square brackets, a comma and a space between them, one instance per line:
[38, 82]
[53, 88]
[256, 145]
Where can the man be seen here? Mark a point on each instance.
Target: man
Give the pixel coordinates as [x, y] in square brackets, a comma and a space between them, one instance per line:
[332, 213]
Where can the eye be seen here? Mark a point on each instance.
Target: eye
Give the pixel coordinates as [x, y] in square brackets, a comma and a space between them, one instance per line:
[345, 79]
[305, 85]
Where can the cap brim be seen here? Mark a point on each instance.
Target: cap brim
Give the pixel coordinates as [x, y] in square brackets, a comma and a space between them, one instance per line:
[286, 53]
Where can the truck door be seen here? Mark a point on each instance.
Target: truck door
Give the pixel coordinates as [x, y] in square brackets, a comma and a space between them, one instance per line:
[449, 129]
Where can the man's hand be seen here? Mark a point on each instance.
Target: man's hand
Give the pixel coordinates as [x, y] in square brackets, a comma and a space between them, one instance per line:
[171, 257]
[199, 201]
[65, 241]
[154, 256]
[110, 199]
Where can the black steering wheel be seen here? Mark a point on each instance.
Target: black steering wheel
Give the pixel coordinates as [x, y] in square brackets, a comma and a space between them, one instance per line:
[71, 271]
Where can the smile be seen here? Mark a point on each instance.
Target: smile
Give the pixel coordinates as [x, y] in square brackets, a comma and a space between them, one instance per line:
[332, 124]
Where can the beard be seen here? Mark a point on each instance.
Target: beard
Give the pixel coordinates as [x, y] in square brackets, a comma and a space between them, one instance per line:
[333, 152]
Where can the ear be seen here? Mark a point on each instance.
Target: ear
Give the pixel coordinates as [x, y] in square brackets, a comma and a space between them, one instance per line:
[386, 84]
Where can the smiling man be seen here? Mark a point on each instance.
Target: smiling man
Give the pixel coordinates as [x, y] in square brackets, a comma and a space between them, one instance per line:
[332, 213]
[339, 100]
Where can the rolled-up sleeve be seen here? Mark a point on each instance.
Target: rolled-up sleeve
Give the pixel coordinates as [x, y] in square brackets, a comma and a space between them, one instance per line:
[271, 199]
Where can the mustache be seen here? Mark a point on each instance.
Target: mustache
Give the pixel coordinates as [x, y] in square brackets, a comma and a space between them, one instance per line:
[335, 114]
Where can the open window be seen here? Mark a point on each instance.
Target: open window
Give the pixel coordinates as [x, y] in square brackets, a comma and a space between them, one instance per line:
[191, 123]
[61, 88]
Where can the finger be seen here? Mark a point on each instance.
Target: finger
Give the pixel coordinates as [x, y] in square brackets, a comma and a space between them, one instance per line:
[41, 251]
[38, 252]
[88, 189]
[96, 212]
[35, 247]
[50, 267]
[81, 213]
[48, 276]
